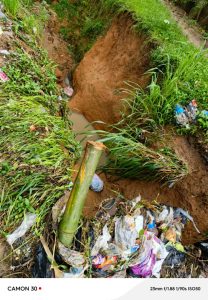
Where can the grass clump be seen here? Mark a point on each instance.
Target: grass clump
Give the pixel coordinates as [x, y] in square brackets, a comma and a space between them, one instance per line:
[37, 155]
[12, 6]
[180, 71]
[33, 24]
[154, 106]
[131, 159]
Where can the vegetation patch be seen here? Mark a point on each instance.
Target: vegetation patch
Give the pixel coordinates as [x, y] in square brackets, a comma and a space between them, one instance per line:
[131, 159]
[37, 146]
[86, 20]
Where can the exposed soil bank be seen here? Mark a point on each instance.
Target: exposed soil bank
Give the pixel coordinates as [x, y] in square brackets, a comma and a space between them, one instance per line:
[121, 55]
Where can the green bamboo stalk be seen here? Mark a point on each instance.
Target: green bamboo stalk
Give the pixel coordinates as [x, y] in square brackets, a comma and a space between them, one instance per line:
[69, 223]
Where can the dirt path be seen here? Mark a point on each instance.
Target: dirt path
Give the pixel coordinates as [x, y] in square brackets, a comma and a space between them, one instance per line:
[192, 32]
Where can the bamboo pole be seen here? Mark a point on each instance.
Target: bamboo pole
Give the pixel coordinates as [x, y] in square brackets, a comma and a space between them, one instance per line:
[69, 223]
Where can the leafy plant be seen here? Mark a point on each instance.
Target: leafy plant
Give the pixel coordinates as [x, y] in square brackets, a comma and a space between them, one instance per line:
[12, 6]
[203, 121]
[33, 24]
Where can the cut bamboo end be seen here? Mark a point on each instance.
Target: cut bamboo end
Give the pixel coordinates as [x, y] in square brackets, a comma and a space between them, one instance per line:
[97, 145]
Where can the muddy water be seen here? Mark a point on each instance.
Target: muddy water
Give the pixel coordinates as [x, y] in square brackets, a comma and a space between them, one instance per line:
[83, 131]
[81, 127]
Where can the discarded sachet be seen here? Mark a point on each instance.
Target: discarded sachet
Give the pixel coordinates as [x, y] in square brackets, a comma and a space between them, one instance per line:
[191, 111]
[27, 223]
[181, 117]
[97, 184]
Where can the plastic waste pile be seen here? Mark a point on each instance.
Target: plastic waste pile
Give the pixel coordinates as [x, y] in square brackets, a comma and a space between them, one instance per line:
[135, 241]
[185, 116]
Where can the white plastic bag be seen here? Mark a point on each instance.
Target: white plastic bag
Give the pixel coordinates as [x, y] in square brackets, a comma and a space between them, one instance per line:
[75, 273]
[139, 223]
[26, 224]
[125, 232]
[102, 241]
[166, 216]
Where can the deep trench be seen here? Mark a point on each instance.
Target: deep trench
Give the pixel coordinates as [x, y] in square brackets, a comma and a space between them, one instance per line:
[118, 56]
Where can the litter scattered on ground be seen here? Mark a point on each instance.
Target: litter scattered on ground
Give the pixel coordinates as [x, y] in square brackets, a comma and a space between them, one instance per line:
[151, 257]
[204, 113]
[4, 52]
[136, 241]
[108, 206]
[185, 116]
[2, 15]
[68, 91]
[71, 257]
[191, 110]
[75, 259]
[3, 76]
[182, 213]
[41, 267]
[27, 223]
[97, 184]
[174, 257]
